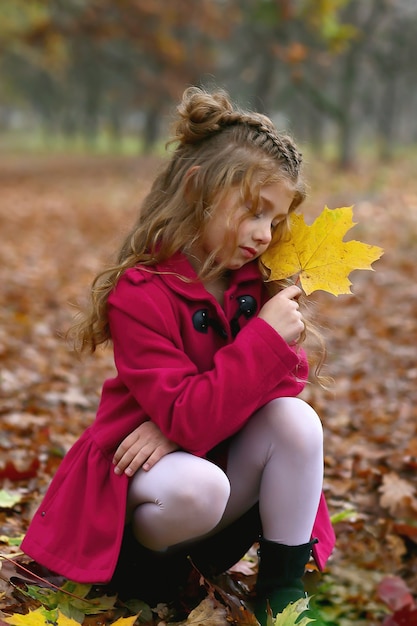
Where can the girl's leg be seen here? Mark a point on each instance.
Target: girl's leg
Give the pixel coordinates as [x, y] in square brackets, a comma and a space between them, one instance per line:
[182, 497]
[278, 459]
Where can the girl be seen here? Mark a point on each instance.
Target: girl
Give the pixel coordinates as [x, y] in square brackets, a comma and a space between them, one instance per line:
[200, 446]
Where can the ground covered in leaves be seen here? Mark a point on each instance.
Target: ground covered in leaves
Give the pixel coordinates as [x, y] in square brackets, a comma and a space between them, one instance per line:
[62, 217]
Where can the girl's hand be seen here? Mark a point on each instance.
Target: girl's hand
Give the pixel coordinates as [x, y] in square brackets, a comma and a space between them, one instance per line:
[282, 312]
[142, 449]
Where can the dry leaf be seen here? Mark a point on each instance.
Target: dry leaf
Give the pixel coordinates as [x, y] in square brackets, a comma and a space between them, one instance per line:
[396, 493]
[46, 220]
[8, 499]
[207, 613]
[318, 255]
[394, 592]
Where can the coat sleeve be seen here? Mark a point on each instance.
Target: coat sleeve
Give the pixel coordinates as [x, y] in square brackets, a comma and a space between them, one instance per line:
[195, 409]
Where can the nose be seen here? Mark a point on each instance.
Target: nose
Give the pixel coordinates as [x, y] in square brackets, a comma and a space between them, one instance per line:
[263, 233]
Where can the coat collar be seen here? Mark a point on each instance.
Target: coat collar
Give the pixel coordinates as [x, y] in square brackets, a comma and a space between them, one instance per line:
[178, 273]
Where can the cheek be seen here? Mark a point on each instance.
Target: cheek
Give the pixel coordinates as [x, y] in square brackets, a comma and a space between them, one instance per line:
[244, 231]
[216, 239]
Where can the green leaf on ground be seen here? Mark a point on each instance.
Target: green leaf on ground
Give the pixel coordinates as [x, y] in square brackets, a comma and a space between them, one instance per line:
[292, 615]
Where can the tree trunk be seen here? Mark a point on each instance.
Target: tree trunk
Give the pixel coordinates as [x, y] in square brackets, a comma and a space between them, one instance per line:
[150, 132]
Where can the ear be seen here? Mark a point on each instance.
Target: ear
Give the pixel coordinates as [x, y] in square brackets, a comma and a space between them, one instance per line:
[189, 186]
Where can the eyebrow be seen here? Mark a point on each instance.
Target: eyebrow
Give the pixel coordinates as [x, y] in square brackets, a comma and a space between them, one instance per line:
[267, 201]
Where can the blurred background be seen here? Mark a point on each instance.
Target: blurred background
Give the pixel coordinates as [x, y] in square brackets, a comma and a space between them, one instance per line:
[104, 75]
[87, 93]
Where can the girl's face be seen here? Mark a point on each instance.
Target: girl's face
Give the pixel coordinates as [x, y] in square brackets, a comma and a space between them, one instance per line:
[238, 233]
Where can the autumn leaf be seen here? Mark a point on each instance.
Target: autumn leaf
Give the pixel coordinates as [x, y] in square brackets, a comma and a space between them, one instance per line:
[11, 472]
[125, 621]
[8, 499]
[370, 340]
[41, 617]
[11, 541]
[394, 592]
[403, 617]
[71, 600]
[292, 615]
[396, 493]
[318, 255]
[209, 612]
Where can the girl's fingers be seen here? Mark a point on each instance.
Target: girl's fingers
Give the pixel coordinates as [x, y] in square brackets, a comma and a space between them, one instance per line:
[129, 459]
[292, 292]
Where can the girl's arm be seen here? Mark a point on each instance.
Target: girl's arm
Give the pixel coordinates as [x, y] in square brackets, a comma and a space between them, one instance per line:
[194, 406]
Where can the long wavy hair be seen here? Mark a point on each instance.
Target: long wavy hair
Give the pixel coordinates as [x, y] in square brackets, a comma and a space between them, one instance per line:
[218, 147]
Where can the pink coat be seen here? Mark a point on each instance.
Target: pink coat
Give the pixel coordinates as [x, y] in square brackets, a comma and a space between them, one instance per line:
[199, 385]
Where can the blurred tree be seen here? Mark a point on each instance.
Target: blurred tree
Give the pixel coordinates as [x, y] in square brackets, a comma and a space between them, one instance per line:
[331, 64]
[360, 92]
[286, 48]
[338, 68]
[110, 57]
[275, 38]
[393, 60]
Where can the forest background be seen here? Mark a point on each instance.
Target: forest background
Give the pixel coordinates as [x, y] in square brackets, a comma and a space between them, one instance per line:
[87, 89]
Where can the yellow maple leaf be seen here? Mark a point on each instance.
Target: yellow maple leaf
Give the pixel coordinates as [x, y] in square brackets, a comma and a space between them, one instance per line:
[318, 255]
[125, 621]
[43, 617]
[40, 617]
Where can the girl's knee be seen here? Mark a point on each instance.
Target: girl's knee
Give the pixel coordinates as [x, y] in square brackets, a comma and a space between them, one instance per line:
[295, 422]
[205, 494]
[180, 505]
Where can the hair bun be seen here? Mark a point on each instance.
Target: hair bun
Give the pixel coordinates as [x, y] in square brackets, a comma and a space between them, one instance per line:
[201, 114]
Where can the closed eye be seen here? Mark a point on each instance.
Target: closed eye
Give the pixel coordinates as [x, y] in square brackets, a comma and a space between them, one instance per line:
[277, 222]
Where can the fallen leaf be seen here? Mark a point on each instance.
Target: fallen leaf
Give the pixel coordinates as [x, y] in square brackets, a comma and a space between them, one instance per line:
[318, 255]
[46, 219]
[406, 530]
[291, 615]
[8, 499]
[11, 541]
[396, 492]
[125, 621]
[394, 592]
[44, 617]
[11, 472]
[209, 612]
[41, 617]
[403, 617]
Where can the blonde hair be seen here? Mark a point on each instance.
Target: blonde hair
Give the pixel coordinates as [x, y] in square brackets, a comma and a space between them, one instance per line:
[218, 147]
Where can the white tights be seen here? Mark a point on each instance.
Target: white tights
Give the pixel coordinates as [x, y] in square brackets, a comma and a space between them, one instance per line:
[276, 459]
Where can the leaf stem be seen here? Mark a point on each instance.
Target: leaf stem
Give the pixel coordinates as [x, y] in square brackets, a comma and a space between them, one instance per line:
[43, 580]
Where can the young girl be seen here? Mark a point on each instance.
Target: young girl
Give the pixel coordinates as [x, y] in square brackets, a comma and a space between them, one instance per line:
[200, 446]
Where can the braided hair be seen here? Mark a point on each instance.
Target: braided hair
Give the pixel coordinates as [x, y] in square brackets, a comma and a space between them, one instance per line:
[204, 115]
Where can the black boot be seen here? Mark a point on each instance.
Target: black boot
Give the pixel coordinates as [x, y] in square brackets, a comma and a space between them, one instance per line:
[280, 573]
[216, 554]
[147, 575]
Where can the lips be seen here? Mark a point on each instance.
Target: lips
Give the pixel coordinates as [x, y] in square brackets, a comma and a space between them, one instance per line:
[248, 252]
